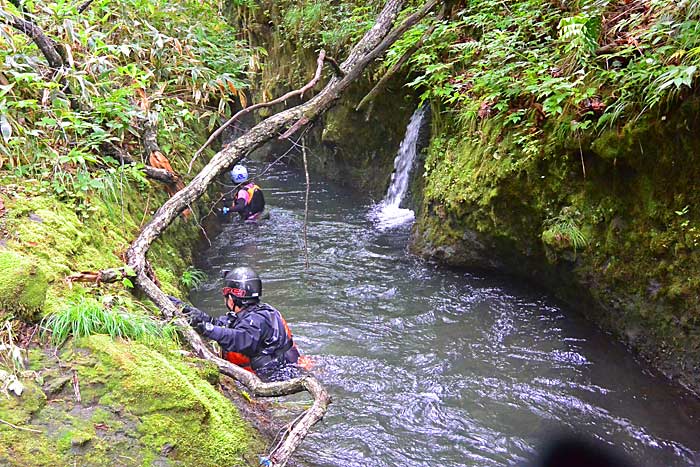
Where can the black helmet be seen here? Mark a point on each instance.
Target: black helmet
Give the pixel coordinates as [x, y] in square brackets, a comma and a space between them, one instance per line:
[243, 284]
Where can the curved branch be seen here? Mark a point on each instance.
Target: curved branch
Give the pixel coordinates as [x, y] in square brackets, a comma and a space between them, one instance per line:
[46, 45]
[298, 92]
[54, 54]
[257, 387]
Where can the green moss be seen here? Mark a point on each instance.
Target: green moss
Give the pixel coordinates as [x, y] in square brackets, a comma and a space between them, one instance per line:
[630, 254]
[23, 285]
[52, 232]
[179, 411]
[20, 409]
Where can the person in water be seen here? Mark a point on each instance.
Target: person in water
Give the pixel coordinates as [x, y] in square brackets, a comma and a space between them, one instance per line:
[251, 334]
[249, 201]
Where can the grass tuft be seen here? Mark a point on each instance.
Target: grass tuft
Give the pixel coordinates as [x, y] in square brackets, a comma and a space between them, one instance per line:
[87, 317]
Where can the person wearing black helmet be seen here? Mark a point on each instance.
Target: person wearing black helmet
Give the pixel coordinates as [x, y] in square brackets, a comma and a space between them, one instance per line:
[252, 334]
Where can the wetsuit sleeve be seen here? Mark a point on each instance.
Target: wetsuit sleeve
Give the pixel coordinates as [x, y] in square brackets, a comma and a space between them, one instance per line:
[220, 321]
[239, 205]
[244, 338]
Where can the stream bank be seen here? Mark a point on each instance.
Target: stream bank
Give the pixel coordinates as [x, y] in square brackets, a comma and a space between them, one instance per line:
[521, 177]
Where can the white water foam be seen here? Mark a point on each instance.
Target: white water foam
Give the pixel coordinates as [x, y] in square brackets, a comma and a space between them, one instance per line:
[387, 214]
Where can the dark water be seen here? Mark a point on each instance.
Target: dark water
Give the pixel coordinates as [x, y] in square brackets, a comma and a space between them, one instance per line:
[429, 366]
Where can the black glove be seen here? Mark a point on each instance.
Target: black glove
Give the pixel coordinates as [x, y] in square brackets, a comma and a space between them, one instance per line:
[203, 327]
[195, 316]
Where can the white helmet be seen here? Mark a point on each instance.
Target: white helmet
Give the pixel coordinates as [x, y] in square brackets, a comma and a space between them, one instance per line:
[239, 174]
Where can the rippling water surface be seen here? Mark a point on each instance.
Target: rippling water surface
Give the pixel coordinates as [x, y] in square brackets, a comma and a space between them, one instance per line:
[429, 366]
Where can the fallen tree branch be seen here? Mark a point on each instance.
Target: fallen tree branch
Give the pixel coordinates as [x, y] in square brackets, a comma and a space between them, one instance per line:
[98, 277]
[46, 45]
[19, 427]
[125, 158]
[399, 64]
[374, 43]
[360, 62]
[335, 66]
[294, 128]
[84, 6]
[297, 92]
[76, 387]
[154, 157]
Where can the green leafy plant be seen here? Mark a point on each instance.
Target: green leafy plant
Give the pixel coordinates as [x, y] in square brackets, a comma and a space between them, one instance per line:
[579, 34]
[87, 317]
[562, 232]
[192, 278]
[532, 63]
[125, 63]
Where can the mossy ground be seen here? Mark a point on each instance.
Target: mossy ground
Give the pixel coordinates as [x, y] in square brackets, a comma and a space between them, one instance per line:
[139, 406]
[626, 193]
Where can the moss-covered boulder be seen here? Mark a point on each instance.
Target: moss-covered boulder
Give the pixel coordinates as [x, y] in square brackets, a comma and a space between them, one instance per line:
[122, 403]
[23, 286]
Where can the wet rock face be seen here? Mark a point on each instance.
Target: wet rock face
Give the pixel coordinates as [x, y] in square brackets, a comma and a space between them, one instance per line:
[620, 243]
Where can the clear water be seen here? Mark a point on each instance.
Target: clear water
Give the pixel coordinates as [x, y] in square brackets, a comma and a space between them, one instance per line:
[431, 366]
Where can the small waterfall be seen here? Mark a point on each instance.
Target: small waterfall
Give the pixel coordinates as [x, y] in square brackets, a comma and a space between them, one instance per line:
[387, 213]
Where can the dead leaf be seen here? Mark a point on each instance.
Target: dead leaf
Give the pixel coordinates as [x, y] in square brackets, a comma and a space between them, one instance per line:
[143, 99]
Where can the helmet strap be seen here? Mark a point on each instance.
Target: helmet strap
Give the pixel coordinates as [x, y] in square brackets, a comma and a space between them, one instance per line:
[230, 302]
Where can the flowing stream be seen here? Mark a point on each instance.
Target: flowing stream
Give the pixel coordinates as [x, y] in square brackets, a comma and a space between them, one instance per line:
[433, 366]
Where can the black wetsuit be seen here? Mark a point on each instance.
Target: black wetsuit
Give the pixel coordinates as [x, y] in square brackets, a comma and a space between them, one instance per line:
[257, 337]
[249, 202]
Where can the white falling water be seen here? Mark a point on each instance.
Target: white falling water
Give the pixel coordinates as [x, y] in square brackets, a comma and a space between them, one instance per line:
[387, 213]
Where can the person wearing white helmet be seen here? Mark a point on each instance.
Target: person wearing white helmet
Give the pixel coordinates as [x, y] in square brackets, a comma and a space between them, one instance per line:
[249, 201]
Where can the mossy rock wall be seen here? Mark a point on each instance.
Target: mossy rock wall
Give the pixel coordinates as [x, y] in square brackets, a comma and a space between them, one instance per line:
[353, 148]
[609, 223]
[22, 286]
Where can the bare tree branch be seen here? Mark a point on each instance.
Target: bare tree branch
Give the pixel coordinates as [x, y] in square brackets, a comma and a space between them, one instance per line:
[46, 45]
[84, 6]
[298, 92]
[125, 158]
[399, 64]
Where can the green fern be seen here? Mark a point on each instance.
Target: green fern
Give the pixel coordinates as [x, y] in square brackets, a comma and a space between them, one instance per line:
[192, 278]
[562, 232]
[580, 33]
